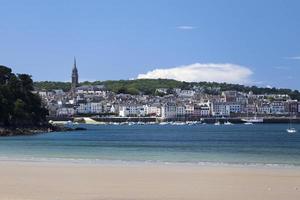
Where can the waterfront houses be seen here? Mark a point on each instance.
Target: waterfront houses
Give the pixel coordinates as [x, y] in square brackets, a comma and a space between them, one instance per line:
[167, 103]
[99, 101]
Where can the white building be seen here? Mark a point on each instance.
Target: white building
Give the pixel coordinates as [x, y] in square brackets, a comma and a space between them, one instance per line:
[168, 111]
[96, 107]
[43, 94]
[264, 109]
[220, 109]
[180, 111]
[185, 93]
[112, 109]
[131, 111]
[84, 108]
[202, 110]
[189, 109]
[65, 111]
[152, 110]
[234, 107]
[277, 107]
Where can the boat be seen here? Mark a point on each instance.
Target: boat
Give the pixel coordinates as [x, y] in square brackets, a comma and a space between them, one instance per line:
[228, 123]
[217, 123]
[178, 123]
[253, 120]
[191, 122]
[250, 120]
[290, 129]
[163, 123]
[131, 123]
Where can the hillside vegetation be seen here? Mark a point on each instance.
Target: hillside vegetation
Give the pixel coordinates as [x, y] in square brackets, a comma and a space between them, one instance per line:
[149, 86]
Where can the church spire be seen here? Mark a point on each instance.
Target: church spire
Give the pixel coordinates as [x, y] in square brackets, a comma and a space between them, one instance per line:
[75, 67]
[74, 77]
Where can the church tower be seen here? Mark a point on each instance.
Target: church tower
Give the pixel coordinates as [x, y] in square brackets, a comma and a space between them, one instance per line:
[74, 77]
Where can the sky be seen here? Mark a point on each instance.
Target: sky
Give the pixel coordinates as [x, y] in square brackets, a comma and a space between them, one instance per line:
[250, 42]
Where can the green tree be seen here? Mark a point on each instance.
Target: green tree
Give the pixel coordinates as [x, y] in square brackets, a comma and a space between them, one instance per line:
[18, 104]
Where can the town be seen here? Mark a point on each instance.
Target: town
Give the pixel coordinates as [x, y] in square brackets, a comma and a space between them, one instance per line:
[173, 105]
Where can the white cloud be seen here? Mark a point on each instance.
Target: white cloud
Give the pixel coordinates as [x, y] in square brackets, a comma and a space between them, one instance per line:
[186, 27]
[196, 72]
[293, 58]
[269, 86]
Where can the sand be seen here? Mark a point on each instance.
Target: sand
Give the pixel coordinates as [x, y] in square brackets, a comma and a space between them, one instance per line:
[66, 181]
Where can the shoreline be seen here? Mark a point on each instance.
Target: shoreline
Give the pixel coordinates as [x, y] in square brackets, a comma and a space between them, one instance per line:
[134, 163]
[34, 130]
[234, 119]
[34, 181]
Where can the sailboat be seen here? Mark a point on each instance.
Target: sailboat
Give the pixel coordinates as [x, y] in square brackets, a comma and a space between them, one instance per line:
[251, 120]
[290, 129]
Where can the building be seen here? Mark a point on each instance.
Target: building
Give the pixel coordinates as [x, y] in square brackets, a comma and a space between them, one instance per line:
[264, 108]
[131, 111]
[180, 111]
[84, 108]
[291, 106]
[185, 93]
[168, 111]
[202, 110]
[189, 110]
[65, 112]
[152, 110]
[74, 83]
[234, 107]
[220, 109]
[96, 107]
[278, 107]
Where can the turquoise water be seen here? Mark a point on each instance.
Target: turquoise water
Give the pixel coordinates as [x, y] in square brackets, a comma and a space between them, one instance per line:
[237, 144]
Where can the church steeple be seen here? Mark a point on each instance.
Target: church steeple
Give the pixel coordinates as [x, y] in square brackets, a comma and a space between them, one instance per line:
[74, 77]
[75, 67]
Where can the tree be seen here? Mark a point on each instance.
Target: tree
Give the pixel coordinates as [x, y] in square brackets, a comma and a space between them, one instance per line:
[18, 104]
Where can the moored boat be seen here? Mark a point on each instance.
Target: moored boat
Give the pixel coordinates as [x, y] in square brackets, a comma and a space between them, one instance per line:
[253, 120]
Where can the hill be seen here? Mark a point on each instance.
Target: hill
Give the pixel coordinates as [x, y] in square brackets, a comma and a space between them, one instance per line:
[149, 86]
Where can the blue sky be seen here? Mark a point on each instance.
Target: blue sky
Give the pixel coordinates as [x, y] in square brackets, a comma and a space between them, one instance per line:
[251, 42]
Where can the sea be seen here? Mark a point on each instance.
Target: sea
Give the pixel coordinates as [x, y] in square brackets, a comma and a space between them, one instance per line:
[201, 144]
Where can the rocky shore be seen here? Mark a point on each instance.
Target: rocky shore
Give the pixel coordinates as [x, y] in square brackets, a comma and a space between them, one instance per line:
[13, 131]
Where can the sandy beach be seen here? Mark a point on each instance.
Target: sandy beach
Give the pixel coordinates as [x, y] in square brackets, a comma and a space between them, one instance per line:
[36, 181]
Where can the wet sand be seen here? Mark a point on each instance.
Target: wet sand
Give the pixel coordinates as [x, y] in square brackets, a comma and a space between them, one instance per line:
[66, 181]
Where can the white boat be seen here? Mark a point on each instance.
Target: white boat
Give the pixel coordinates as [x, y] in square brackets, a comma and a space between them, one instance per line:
[253, 120]
[228, 123]
[178, 123]
[291, 130]
[217, 123]
[163, 123]
[191, 122]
